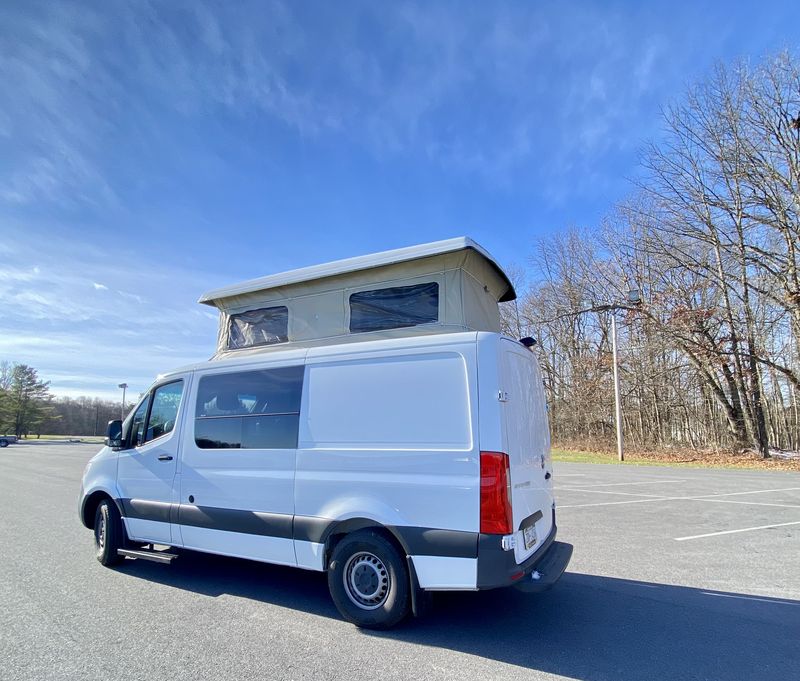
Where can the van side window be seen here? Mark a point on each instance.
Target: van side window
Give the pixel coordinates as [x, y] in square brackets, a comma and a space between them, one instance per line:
[164, 412]
[137, 424]
[265, 326]
[249, 409]
[394, 308]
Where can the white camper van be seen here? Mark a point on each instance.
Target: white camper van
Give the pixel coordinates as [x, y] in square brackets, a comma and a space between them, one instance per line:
[365, 418]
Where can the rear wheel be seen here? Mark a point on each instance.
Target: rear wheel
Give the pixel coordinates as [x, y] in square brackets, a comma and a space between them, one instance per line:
[107, 533]
[3, 443]
[368, 580]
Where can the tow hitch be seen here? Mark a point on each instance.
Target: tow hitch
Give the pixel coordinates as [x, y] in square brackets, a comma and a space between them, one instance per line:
[548, 570]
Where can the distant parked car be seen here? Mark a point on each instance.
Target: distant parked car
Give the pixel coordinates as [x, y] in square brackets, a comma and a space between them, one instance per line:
[6, 440]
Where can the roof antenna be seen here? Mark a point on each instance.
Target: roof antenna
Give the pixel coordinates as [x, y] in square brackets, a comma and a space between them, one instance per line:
[528, 342]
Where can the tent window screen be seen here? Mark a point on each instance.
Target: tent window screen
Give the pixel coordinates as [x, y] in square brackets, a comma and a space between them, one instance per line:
[258, 327]
[394, 308]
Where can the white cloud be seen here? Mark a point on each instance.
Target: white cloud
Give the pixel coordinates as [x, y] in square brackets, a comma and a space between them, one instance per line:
[52, 127]
[85, 341]
[487, 91]
[131, 296]
[526, 97]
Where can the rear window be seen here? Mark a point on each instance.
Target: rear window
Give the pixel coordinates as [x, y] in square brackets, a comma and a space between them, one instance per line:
[249, 409]
[394, 308]
[264, 326]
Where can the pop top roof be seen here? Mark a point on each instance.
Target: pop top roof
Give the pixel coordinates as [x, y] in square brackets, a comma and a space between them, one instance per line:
[362, 262]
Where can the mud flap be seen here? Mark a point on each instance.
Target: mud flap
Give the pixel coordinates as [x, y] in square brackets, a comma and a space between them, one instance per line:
[421, 600]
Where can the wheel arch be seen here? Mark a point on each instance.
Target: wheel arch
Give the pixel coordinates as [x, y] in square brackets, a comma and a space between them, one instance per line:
[91, 502]
[337, 531]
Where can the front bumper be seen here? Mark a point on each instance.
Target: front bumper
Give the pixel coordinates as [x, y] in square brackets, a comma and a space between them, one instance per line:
[497, 567]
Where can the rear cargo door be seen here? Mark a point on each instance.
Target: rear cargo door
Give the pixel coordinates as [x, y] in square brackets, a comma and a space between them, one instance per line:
[527, 443]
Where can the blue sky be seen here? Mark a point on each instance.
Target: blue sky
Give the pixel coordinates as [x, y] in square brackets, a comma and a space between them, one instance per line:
[152, 151]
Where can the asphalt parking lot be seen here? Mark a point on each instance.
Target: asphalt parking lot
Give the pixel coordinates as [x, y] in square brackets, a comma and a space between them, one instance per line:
[676, 574]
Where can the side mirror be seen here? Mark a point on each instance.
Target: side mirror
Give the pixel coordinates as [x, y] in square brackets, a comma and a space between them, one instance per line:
[114, 434]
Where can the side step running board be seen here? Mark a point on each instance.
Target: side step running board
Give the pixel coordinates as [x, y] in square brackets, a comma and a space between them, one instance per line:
[155, 556]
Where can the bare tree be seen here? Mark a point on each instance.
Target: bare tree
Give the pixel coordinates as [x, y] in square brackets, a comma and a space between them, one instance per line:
[711, 239]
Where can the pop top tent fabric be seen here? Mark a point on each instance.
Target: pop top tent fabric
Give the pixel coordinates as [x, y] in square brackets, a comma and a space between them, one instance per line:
[451, 285]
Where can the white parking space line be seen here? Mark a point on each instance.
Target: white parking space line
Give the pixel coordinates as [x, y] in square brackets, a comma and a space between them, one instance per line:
[743, 529]
[776, 601]
[654, 499]
[754, 491]
[619, 503]
[699, 497]
[606, 491]
[648, 482]
[749, 503]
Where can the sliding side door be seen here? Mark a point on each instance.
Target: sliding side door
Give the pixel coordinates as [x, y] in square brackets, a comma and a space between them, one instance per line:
[238, 462]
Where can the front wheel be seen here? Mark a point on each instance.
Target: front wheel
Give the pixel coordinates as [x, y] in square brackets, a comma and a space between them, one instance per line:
[3, 443]
[107, 533]
[368, 581]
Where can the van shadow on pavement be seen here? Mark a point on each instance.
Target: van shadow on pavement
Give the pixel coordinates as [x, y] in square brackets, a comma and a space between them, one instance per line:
[587, 627]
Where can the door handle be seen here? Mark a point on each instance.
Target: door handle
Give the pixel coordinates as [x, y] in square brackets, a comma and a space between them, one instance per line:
[165, 457]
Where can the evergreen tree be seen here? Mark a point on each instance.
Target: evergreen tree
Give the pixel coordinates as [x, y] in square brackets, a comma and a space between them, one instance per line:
[28, 400]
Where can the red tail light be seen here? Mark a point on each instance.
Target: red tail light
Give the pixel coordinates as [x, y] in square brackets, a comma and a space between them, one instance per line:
[495, 494]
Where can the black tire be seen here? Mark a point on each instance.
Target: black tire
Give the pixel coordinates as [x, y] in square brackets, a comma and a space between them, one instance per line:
[3, 443]
[108, 533]
[368, 581]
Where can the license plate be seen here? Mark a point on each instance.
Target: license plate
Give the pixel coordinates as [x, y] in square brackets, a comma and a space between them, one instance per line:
[529, 535]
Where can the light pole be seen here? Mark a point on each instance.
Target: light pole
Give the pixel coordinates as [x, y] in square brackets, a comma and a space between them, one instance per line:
[124, 387]
[634, 299]
[617, 401]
